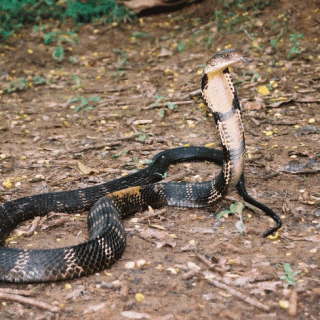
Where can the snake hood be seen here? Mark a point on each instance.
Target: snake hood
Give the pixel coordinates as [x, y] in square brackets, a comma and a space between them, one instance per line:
[221, 97]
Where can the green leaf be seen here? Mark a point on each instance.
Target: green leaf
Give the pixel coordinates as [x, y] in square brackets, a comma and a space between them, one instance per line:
[159, 98]
[237, 207]
[74, 99]
[38, 80]
[122, 153]
[172, 106]
[143, 136]
[83, 100]
[49, 37]
[181, 46]
[274, 42]
[289, 274]
[96, 99]
[77, 80]
[288, 270]
[162, 113]
[22, 83]
[223, 213]
[58, 53]
[209, 42]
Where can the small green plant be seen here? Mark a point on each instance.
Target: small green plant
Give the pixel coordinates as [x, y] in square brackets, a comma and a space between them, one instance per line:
[158, 98]
[142, 135]
[118, 155]
[22, 84]
[171, 106]
[85, 103]
[17, 85]
[77, 80]
[253, 40]
[60, 38]
[289, 274]
[38, 80]
[209, 41]
[181, 46]
[236, 207]
[275, 41]
[294, 43]
[162, 113]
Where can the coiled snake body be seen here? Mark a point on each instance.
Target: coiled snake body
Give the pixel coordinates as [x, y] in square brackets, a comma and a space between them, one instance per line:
[117, 199]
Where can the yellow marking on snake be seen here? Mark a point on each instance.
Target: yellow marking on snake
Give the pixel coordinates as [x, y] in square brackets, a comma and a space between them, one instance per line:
[133, 191]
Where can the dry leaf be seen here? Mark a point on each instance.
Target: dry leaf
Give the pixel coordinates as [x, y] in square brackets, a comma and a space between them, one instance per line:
[151, 233]
[86, 170]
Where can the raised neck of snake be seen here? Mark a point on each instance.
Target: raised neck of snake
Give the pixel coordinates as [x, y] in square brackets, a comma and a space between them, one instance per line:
[221, 97]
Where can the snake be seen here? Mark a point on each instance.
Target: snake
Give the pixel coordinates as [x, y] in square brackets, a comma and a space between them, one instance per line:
[111, 202]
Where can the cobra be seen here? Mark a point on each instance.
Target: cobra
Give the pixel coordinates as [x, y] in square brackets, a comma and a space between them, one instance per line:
[115, 200]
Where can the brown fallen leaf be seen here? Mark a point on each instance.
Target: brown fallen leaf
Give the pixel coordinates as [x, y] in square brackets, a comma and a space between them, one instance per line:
[153, 233]
[252, 105]
[86, 170]
[163, 237]
[261, 287]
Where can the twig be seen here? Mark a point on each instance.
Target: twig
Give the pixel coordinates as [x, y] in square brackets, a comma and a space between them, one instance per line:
[116, 142]
[16, 291]
[161, 105]
[195, 93]
[190, 274]
[28, 301]
[33, 226]
[238, 294]
[205, 260]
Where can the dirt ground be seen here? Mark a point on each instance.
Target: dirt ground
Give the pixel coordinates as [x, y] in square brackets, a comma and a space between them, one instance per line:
[136, 69]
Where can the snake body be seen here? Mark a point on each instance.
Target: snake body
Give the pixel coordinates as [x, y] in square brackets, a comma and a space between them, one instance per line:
[120, 198]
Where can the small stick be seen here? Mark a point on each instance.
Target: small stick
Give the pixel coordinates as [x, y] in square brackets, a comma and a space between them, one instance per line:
[191, 273]
[238, 294]
[28, 301]
[205, 260]
[33, 226]
[16, 291]
[161, 105]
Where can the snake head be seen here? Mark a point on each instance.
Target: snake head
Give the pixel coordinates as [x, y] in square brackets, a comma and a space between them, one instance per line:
[223, 60]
